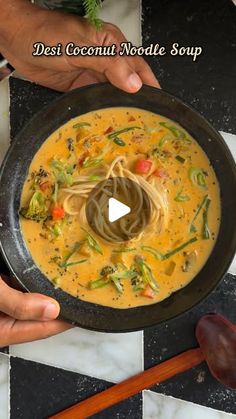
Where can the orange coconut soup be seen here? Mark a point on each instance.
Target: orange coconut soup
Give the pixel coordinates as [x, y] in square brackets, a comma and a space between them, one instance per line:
[174, 171]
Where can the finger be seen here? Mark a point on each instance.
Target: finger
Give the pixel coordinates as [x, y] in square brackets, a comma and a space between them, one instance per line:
[87, 77]
[115, 69]
[122, 75]
[26, 306]
[18, 331]
[145, 73]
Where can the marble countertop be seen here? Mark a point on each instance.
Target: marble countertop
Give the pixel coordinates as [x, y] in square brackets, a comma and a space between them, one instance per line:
[82, 360]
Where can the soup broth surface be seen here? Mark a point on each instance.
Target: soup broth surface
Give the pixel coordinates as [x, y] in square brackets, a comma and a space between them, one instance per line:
[140, 271]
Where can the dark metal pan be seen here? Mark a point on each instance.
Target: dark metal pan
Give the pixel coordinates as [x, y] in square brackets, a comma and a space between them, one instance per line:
[14, 171]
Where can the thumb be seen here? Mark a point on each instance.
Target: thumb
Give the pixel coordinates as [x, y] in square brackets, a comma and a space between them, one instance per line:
[116, 69]
[121, 74]
[26, 306]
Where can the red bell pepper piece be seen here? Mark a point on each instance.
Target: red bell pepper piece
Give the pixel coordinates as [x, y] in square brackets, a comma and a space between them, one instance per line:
[143, 166]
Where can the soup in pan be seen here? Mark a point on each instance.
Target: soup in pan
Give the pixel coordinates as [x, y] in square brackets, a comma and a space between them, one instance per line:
[145, 161]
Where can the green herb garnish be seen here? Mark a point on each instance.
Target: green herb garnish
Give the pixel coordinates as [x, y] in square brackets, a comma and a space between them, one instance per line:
[94, 178]
[66, 265]
[124, 250]
[117, 276]
[121, 131]
[62, 172]
[54, 230]
[163, 140]
[180, 159]
[92, 242]
[146, 273]
[197, 177]
[161, 256]
[99, 283]
[119, 141]
[82, 124]
[206, 234]
[55, 193]
[179, 248]
[75, 248]
[107, 270]
[154, 252]
[92, 8]
[178, 133]
[192, 227]
[181, 198]
[92, 162]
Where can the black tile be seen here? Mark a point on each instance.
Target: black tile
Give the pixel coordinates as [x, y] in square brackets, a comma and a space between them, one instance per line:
[3, 270]
[25, 100]
[209, 83]
[5, 350]
[3, 267]
[38, 391]
[164, 341]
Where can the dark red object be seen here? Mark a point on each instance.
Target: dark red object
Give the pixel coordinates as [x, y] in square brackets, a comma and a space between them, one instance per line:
[131, 119]
[108, 130]
[217, 339]
[160, 172]
[148, 292]
[143, 166]
[58, 213]
[44, 186]
[82, 158]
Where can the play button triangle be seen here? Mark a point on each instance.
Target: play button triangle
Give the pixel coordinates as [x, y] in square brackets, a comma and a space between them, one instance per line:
[116, 210]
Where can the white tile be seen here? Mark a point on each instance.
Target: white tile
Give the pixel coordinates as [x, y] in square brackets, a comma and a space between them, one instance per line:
[111, 357]
[232, 268]
[158, 406]
[126, 15]
[4, 386]
[230, 140]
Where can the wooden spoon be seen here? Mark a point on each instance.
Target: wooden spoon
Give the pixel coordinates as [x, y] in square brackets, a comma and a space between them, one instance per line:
[217, 339]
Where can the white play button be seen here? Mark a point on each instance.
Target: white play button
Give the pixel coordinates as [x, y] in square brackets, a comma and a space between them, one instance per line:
[116, 210]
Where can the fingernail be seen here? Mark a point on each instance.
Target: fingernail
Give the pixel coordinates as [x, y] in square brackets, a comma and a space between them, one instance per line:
[135, 82]
[50, 311]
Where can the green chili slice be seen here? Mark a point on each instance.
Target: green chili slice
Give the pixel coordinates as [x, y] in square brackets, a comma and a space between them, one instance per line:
[82, 124]
[75, 248]
[178, 133]
[92, 242]
[192, 227]
[179, 248]
[181, 198]
[99, 283]
[154, 252]
[124, 250]
[121, 131]
[119, 141]
[197, 177]
[206, 234]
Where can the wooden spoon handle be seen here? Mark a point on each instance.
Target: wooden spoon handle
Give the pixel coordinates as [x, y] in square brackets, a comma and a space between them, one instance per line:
[133, 385]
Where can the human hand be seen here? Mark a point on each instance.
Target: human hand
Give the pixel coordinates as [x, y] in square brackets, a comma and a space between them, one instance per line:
[26, 24]
[26, 317]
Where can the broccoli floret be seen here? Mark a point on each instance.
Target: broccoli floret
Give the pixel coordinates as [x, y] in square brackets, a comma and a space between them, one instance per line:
[37, 208]
[62, 172]
[107, 270]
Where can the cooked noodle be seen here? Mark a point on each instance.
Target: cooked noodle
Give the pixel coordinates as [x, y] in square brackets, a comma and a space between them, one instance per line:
[145, 193]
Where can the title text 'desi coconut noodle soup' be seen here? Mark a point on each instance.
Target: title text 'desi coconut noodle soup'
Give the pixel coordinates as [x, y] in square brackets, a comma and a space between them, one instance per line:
[146, 162]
